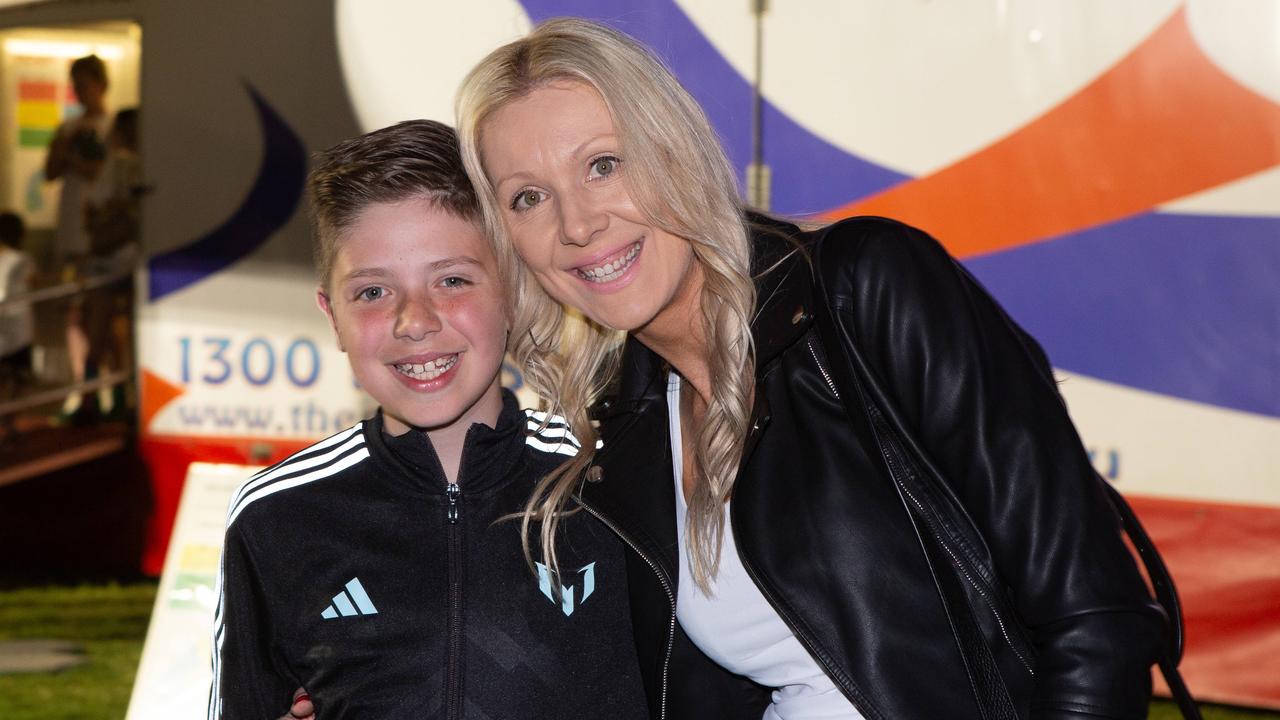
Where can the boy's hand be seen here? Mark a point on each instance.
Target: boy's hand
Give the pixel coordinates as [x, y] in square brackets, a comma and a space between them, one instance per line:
[302, 709]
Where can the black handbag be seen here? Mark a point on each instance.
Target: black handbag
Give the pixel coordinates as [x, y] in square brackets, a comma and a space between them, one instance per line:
[930, 519]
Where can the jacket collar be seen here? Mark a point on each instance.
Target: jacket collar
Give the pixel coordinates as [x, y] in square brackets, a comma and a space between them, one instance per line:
[488, 453]
[780, 264]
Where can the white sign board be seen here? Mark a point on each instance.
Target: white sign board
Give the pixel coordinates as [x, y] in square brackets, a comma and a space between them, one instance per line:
[173, 677]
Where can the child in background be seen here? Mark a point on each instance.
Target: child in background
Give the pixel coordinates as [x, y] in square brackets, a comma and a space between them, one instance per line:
[112, 220]
[113, 207]
[375, 569]
[17, 325]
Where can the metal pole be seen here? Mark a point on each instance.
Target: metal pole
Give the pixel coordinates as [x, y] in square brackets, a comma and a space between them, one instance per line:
[757, 171]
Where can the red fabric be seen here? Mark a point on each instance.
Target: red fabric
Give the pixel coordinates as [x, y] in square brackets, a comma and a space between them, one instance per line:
[1226, 562]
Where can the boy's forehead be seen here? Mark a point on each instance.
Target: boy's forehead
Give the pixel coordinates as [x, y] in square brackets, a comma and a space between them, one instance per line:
[414, 230]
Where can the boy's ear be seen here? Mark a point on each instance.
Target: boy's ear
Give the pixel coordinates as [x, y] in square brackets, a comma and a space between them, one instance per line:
[322, 301]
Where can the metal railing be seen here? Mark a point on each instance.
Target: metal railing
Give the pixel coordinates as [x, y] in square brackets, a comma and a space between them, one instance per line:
[70, 288]
[66, 289]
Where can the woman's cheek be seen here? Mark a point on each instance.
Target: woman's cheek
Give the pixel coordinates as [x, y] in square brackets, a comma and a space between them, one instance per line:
[548, 287]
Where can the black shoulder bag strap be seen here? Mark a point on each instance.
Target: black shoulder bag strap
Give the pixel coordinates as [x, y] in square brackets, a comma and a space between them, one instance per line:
[988, 686]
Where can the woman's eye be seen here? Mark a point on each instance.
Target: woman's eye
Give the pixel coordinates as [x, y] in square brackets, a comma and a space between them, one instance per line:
[604, 166]
[371, 293]
[526, 199]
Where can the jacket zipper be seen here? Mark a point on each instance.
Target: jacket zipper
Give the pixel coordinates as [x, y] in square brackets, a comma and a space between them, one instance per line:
[825, 375]
[666, 586]
[453, 682]
[894, 465]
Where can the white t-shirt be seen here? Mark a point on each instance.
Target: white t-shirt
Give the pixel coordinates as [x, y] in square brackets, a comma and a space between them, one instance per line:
[738, 629]
[71, 236]
[16, 323]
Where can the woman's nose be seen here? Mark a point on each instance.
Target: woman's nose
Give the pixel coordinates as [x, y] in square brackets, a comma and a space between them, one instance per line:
[580, 219]
[416, 318]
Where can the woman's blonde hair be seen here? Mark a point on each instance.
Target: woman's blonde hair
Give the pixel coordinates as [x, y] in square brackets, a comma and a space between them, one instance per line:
[679, 177]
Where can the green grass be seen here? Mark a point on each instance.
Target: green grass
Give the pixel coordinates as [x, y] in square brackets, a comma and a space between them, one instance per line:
[1161, 710]
[111, 622]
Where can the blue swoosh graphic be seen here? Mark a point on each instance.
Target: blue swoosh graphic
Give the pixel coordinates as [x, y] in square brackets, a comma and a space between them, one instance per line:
[270, 203]
[809, 174]
[1183, 305]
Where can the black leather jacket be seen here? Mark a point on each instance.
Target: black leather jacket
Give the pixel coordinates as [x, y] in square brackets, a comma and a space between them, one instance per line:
[823, 532]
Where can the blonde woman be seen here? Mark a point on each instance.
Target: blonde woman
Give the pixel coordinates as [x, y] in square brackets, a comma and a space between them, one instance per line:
[777, 565]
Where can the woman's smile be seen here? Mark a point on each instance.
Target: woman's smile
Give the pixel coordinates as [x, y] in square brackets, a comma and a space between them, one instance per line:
[612, 268]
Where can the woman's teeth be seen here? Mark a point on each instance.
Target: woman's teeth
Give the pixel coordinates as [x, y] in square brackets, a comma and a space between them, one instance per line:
[612, 270]
[428, 371]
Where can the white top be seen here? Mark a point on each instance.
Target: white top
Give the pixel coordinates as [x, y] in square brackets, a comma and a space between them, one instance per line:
[70, 233]
[16, 322]
[738, 629]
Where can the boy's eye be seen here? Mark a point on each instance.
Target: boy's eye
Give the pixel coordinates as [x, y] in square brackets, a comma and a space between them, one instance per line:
[371, 293]
[526, 199]
[454, 281]
[604, 166]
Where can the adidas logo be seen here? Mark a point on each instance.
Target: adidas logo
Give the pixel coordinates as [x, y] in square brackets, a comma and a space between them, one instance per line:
[588, 574]
[352, 601]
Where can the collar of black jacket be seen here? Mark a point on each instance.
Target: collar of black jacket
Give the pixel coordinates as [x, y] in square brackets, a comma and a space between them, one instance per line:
[784, 311]
[487, 455]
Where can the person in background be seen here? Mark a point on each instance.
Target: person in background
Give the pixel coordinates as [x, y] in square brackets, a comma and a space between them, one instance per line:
[112, 208]
[16, 322]
[112, 220]
[76, 155]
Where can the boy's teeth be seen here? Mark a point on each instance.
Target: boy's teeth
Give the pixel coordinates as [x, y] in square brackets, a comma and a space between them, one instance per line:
[611, 270]
[430, 370]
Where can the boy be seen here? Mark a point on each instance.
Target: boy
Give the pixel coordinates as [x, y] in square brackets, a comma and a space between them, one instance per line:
[375, 569]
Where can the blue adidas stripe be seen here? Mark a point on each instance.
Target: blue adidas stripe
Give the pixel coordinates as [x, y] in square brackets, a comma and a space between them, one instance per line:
[361, 597]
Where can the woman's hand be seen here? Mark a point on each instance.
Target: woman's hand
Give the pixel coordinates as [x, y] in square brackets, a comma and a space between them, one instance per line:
[302, 709]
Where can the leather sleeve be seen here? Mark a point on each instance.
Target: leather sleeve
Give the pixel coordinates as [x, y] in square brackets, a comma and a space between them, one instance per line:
[968, 385]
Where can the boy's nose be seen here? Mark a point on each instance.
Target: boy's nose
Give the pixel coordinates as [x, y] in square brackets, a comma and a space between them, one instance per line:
[417, 318]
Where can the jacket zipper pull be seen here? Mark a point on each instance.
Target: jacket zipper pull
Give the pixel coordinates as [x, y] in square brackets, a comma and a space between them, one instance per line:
[452, 494]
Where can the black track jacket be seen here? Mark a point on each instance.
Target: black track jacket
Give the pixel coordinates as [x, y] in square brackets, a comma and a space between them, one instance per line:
[355, 570]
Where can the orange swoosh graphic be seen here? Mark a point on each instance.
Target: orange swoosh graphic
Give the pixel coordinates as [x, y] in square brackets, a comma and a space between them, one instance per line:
[156, 393]
[1163, 123]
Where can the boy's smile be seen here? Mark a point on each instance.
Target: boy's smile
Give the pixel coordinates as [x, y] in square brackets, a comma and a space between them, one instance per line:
[425, 368]
[417, 306]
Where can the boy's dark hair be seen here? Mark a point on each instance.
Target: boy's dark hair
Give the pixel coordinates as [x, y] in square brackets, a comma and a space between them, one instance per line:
[90, 66]
[414, 158]
[12, 230]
